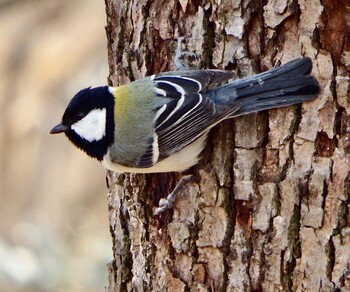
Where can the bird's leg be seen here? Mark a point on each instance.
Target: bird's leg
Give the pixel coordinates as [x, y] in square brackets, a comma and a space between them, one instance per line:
[165, 204]
[181, 62]
[183, 58]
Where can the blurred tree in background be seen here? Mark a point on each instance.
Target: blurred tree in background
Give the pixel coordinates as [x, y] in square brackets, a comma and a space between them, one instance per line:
[53, 233]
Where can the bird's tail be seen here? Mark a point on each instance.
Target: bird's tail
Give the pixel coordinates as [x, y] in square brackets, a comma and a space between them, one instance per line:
[282, 86]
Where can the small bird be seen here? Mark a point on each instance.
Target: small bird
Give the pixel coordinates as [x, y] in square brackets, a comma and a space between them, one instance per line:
[160, 123]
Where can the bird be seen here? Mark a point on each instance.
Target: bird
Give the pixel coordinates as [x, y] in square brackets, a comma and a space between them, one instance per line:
[160, 123]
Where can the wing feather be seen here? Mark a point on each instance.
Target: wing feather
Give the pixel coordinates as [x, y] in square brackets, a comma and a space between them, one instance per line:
[183, 113]
[207, 78]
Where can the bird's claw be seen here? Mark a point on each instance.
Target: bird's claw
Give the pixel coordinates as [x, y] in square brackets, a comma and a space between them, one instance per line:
[183, 58]
[166, 204]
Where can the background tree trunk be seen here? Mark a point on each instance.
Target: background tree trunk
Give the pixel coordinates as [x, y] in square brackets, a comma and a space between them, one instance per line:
[270, 207]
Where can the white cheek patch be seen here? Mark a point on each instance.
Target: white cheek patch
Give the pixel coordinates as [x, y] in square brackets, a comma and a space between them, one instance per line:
[93, 126]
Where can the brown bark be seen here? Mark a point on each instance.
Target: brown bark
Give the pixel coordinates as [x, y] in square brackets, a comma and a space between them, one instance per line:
[270, 207]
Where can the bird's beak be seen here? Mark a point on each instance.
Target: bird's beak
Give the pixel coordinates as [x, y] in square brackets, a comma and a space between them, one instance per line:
[59, 129]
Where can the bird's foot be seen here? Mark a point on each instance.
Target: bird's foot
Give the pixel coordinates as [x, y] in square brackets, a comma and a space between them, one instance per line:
[183, 59]
[166, 204]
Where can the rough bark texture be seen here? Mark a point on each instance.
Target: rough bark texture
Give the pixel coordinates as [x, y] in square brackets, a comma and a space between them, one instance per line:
[270, 207]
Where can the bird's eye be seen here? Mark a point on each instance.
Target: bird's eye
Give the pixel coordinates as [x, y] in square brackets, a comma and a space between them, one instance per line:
[80, 115]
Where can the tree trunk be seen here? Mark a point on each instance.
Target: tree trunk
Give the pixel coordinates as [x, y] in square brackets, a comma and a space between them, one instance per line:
[269, 209]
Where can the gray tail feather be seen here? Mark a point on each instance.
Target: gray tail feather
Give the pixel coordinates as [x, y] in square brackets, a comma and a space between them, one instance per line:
[282, 86]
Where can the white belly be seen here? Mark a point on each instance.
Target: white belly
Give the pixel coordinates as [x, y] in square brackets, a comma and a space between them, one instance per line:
[179, 161]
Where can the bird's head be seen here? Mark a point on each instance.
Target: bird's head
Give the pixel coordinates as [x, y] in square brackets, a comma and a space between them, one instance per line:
[88, 121]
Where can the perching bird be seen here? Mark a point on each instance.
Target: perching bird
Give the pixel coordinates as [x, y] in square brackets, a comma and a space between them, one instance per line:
[160, 123]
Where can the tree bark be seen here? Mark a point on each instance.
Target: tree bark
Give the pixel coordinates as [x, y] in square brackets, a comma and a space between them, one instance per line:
[269, 208]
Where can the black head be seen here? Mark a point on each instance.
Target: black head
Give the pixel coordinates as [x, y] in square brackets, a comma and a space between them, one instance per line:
[89, 121]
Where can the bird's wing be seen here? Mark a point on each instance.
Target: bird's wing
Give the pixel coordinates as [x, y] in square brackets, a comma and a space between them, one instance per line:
[205, 78]
[185, 114]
